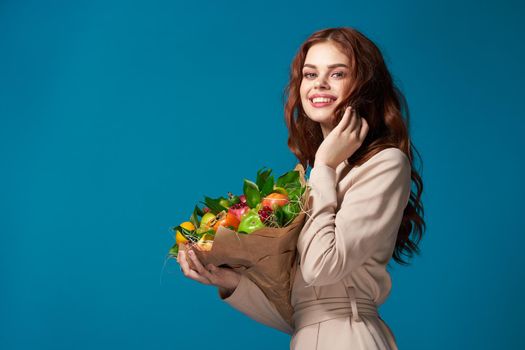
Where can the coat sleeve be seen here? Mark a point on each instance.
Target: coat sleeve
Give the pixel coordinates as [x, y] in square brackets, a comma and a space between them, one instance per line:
[332, 244]
[249, 299]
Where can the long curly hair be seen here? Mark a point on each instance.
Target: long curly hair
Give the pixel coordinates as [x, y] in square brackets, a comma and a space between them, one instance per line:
[374, 96]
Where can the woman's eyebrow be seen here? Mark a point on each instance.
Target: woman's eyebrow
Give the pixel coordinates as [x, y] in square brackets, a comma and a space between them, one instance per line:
[329, 66]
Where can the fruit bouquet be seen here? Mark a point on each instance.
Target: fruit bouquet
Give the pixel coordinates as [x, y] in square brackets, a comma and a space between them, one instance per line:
[254, 233]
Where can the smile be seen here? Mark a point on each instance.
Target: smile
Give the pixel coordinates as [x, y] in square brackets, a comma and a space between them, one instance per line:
[319, 102]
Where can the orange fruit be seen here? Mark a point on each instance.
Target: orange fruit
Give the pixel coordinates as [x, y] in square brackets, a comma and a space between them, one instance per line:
[179, 237]
[226, 219]
[275, 199]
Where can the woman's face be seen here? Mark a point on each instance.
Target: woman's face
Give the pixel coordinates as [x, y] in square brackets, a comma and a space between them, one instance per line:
[326, 75]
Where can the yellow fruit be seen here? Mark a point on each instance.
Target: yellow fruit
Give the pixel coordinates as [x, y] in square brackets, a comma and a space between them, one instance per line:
[179, 237]
[207, 220]
[188, 225]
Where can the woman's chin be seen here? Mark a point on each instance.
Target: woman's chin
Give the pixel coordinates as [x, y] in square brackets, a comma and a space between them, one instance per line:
[321, 118]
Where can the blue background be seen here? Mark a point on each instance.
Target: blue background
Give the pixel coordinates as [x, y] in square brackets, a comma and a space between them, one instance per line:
[117, 117]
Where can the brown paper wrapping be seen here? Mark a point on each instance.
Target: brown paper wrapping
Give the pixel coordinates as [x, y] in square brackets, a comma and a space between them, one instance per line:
[266, 256]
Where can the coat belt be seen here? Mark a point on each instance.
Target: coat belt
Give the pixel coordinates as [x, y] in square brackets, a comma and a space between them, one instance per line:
[314, 311]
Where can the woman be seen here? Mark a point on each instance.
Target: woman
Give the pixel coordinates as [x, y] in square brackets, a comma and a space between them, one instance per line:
[362, 211]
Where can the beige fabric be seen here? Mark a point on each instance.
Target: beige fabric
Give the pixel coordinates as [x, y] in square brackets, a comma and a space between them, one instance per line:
[343, 250]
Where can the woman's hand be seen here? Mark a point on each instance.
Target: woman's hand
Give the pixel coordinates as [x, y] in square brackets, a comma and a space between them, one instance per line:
[343, 140]
[225, 278]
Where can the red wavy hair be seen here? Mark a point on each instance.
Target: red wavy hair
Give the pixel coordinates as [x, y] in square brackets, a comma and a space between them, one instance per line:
[374, 96]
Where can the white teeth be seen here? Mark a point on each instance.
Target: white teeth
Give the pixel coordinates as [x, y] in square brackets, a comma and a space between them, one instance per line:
[322, 99]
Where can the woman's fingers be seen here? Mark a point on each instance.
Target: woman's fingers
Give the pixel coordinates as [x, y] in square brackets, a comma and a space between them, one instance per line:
[343, 123]
[200, 269]
[357, 127]
[353, 121]
[187, 271]
[354, 124]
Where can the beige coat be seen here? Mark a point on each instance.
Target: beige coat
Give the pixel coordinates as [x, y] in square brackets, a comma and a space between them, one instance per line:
[343, 250]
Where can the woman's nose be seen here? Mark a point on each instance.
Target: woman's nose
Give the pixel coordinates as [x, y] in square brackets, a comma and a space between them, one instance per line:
[320, 83]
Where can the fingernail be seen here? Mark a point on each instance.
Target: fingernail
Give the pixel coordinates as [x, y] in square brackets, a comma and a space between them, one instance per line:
[191, 252]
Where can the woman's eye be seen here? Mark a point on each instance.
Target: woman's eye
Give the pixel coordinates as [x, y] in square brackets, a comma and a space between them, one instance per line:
[338, 74]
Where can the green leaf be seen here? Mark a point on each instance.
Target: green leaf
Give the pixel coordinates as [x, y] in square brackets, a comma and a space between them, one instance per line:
[174, 251]
[295, 193]
[199, 211]
[290, 210]
[210, 232]
[214, 205]
[267, 188]
[234, 200]
[262, 176]
[194, 218]
[251, 192]
[280, 216]
[288, 178]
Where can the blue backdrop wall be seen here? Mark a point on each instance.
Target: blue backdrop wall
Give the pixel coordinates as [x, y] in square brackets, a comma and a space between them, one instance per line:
[118, 116]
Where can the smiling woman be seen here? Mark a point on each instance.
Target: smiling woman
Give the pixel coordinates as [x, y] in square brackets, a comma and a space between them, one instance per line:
[362, 211]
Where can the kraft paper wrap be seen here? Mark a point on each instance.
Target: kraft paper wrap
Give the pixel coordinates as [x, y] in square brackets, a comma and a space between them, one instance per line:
[266, 256]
